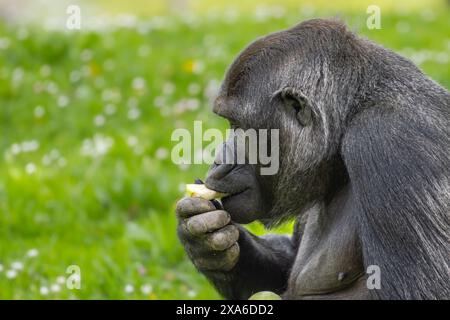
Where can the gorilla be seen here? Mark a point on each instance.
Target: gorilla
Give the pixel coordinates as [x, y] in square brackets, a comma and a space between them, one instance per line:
[364, 171]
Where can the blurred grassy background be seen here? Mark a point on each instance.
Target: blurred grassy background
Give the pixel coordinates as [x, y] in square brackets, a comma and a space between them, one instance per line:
[86, 117]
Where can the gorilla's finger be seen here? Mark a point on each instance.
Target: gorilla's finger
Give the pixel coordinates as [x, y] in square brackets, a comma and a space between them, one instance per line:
[190, 206]
[219, 261]
[207, 222]
[223, 238]
[217, 204]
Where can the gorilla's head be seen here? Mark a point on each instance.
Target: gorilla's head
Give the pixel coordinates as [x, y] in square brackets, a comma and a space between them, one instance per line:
[304, 82]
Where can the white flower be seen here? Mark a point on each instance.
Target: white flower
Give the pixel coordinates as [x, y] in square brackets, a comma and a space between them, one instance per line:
[30, 168]
[132, 102]
[111, 95]
[186, 104]
[28, 146]
[16, 148]
[86, 55]
[146, 289]
[55, 287]
[99, 120]
[4, 43]
[11, 274]
[132, 141]
[39, 112]
[75, 76]
[96, 146]
[159, 102]
[17, 265]
[138, 84]
[46, 161]
[194, 88]
[45, 70]
[61, 280]
[168, 88]
[198, 67]
[17, 76]
[63, 101]
[134, 113]
[191, 293]
[52, 88]
[54, 154]
[25, 146]
[44, 290]
[32, 253]
[212, 89]
[162, 153]
[129, 288]
[110, 109]
[192, 104]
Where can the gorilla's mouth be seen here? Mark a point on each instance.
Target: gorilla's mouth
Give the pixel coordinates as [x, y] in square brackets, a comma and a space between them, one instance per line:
[241, 203]
[223, 187]
[218, 187]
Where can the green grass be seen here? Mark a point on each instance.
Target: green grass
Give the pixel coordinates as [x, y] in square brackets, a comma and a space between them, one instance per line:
[113, 214]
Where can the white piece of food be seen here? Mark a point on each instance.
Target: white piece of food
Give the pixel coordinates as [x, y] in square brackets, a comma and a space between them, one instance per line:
[201, 191]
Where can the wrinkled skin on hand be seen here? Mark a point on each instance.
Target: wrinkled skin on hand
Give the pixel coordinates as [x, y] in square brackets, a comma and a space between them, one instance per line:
[230, 256]
[208, 236]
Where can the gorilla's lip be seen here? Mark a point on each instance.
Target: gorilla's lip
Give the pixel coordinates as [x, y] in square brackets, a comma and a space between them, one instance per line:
[219, 187]
[230, 195]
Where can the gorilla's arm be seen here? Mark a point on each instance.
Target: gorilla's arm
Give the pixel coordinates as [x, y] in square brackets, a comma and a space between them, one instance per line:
[264, 264]
[237, 262]
[399, 168]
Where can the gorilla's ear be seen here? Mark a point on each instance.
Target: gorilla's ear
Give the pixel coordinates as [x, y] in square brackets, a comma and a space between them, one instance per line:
[295, 101]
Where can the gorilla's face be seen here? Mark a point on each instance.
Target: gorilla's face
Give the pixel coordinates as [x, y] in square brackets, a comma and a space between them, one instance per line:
[268, 92]
[272, 85]
[306, 169]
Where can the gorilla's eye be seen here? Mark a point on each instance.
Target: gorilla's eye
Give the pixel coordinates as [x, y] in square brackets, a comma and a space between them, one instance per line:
[298, 102]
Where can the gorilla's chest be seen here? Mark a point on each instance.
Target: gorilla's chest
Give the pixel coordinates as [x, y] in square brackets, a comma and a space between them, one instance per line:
[329, 258]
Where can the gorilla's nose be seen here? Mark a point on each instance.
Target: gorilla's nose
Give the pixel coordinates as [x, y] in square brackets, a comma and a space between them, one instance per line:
[221, 167]
[218, 178]
[219, 171]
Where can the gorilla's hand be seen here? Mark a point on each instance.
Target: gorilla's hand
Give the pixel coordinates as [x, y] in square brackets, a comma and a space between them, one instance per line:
[207, 234]
[234, 260]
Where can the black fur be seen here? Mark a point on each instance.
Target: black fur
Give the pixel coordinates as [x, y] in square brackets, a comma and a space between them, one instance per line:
[368, 180]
